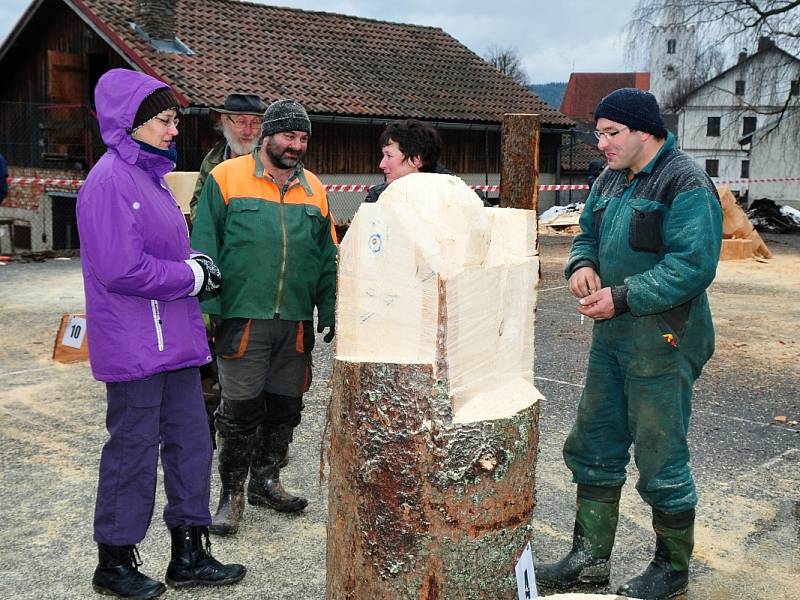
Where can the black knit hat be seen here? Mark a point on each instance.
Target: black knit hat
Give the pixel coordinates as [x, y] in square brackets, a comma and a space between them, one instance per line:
[632, 107]
[285, 115]
[157, 101]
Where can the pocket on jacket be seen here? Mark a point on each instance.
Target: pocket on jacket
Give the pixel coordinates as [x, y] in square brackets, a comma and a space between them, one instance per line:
[232, 336]
[644, 234]
[598, 211]
[245, 205]
[314, 212]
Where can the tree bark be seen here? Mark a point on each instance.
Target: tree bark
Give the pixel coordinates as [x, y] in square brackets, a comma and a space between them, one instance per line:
[420, 507]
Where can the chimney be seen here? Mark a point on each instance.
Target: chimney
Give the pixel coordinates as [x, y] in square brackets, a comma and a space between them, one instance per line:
[742, 55]
[157, 18]
[765, 42]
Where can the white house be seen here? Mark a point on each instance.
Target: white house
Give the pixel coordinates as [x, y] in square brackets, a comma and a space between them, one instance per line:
[717, 118]
[772, 151]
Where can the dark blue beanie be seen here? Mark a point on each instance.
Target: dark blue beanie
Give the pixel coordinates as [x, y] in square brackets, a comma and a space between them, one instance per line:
[632, 107]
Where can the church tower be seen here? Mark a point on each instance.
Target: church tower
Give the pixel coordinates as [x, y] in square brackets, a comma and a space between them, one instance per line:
[673, 53]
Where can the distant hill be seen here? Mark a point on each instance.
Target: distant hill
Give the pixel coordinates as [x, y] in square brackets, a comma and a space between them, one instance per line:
[552, 92]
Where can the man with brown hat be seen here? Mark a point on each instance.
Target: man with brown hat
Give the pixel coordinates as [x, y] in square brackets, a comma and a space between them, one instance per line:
[239, 122]
[266, 220]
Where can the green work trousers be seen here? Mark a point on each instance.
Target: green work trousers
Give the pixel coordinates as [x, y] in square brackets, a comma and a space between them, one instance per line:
[639, 391]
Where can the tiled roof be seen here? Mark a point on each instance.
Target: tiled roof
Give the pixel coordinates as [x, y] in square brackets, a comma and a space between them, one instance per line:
[585, 90]
[333, 64]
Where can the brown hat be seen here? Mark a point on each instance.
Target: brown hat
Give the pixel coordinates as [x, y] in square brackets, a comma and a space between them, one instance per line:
[157, 101]
[242, 104]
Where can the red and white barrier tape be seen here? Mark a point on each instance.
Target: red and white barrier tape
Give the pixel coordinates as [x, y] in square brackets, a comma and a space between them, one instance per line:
[352, 188]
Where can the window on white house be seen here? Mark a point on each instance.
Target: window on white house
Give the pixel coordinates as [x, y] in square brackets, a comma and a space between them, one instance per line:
[671, 46]
[712, 127]
[749, 125]
[740, 87]
[745, 173]
[712, 167]
[795, 88]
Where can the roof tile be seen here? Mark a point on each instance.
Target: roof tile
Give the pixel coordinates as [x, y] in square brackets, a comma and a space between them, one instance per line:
[333, 64]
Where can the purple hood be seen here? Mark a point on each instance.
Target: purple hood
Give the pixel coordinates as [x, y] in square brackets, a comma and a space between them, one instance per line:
[117, 97]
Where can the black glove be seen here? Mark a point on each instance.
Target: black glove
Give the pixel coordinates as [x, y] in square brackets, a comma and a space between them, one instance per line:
[212, 278]
[331, 332]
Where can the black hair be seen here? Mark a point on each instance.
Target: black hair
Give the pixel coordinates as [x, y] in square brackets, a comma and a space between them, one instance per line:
[415, 138]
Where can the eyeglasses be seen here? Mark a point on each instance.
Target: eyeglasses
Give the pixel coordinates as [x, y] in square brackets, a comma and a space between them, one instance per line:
[244, 123]
[168, 122]
[608, 134]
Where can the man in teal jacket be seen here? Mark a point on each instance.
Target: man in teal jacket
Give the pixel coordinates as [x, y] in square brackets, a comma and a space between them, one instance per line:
[648, 248]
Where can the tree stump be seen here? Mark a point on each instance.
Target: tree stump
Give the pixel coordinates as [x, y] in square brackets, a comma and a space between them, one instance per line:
[433, 416]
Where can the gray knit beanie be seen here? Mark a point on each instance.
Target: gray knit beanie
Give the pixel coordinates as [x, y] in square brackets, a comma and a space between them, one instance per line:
[285, 115]
[632, 107]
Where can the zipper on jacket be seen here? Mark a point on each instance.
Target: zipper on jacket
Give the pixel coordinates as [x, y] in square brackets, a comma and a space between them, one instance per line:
[157, 322]
[284, 255]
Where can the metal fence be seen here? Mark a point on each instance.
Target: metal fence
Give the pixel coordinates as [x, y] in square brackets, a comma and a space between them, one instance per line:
[59, 136]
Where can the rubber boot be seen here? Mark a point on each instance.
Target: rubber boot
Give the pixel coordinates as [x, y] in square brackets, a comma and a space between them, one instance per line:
[592, 540]
[667, 575]
[192, 563]
[117, 574]
[234, 463]
[265, 488]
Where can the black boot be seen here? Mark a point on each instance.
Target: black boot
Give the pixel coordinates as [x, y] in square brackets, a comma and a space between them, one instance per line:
[592, 540]
[234, 462]
[667, 575]
[192, 563]
[117, 574]
[272, 443]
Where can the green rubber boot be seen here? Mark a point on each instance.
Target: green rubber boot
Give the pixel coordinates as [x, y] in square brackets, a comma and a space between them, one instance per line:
[592, 540]
[667, 575]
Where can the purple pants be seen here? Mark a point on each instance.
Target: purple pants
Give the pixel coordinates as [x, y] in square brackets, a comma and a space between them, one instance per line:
[165, 410]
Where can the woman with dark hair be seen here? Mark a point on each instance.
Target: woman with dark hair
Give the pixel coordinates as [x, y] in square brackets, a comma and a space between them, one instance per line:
[409, 146]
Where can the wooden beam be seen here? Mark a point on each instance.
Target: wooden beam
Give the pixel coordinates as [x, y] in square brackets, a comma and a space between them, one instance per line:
[519, 169]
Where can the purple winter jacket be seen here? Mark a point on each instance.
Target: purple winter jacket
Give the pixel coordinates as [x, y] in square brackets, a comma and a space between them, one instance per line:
[134, 241]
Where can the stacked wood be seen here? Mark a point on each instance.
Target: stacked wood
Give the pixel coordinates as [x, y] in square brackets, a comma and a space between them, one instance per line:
[737, 231]
[434, 416]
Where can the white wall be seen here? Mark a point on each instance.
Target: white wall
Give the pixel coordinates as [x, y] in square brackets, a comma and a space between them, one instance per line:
[767, 76]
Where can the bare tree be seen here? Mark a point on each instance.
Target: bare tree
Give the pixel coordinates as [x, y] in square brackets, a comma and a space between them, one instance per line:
[507, 61]
[722, 28]
[727, 33]
[723, 22]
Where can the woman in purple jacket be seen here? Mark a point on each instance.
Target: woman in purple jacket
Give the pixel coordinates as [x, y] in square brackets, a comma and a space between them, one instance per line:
[146, 341]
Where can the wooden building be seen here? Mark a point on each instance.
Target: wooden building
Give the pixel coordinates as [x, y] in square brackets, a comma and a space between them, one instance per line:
[352, 74]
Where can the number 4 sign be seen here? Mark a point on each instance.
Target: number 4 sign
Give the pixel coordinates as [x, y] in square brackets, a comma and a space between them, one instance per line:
[526, 579]
[74, 332]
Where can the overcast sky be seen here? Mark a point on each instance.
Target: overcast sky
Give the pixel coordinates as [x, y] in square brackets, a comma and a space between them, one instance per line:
[553, 39]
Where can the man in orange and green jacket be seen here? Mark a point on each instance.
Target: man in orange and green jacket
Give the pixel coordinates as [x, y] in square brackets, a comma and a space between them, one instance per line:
[265, 221]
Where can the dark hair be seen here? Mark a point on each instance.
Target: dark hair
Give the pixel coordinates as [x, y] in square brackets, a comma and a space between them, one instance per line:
[415, 138]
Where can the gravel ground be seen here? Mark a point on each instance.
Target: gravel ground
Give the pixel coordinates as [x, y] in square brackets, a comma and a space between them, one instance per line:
[748, 540]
